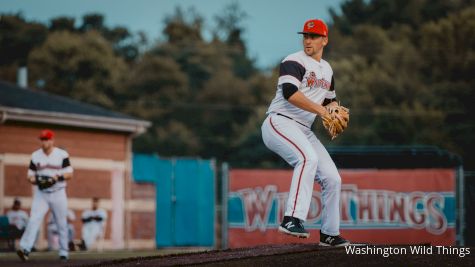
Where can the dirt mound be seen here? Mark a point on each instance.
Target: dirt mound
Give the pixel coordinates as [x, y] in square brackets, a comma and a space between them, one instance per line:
[311, 255]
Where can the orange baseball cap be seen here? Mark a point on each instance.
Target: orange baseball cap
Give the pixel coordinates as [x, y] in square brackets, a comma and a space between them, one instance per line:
[47, 134]
[315, 26]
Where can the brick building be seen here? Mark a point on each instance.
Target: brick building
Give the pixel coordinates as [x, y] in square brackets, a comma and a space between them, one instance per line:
[99, 142]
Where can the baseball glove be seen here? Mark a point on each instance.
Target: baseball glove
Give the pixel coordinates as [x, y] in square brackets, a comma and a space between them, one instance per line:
[44, 182]
[338, 120]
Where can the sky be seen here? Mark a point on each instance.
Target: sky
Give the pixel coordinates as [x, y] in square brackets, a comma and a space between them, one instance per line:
[270, 28]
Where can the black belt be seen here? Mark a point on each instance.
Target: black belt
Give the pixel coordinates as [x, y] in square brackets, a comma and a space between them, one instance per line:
[49, 192]
[280, 114]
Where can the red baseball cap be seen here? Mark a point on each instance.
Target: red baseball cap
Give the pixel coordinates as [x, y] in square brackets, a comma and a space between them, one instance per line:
[46, 134]
[315, 26]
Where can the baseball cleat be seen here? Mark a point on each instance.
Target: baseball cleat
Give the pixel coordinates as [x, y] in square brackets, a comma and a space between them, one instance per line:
[293, 226]
[82, 245]
[23, 254]
[71, 246]
[332, 241]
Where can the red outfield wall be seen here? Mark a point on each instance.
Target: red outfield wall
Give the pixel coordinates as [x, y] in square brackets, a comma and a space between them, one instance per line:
[377, 206]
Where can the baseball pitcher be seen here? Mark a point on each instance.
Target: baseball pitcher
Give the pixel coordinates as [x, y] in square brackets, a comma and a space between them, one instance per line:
[305, 89]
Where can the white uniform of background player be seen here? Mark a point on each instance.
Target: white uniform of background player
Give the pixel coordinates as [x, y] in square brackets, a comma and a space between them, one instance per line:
[305, 85]
[48, 161]
[52, 231]
[17, 217]
[94, 221]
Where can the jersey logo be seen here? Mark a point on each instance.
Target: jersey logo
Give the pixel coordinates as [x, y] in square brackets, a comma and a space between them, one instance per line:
[311, 79]
[313, 82]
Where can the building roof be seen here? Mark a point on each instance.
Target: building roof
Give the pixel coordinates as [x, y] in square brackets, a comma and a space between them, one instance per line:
[24, 104]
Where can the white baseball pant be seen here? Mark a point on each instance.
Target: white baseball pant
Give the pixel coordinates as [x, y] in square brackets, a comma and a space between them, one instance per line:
[299, 146]
[53, 237]
[42, 201]
[91, 232]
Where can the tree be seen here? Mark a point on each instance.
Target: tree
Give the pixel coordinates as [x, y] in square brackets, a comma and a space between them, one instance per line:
[153, 89]
[229, 29]
[448, 49]
[219, 99]
[183, 27]
[389, 13]
[405, 68]
[92, 21]
[125, 44]
[17, 38]
[62, 24]
[81, 66]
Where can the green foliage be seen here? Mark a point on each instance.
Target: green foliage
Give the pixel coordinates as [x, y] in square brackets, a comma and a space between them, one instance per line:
[389, 13]
[183, 27]
[81, 66]
[198, 93]
[404, 68]
[17, 38]
[125, 44]
[448, 45]
[62, 24]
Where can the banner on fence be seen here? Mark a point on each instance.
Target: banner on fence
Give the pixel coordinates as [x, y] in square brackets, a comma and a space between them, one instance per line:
[377, 207]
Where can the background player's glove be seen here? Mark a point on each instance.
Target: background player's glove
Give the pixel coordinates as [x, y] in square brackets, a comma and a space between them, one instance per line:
[44, 182]
[338, 120]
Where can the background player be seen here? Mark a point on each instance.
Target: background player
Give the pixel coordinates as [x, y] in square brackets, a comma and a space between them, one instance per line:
[94, 221]
[17, 218]
[53, 163]
[304, 88]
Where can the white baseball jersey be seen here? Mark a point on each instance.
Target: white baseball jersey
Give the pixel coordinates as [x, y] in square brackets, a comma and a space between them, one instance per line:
[312, 78]
[19, 218]
[97, 216]
[56, 163]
